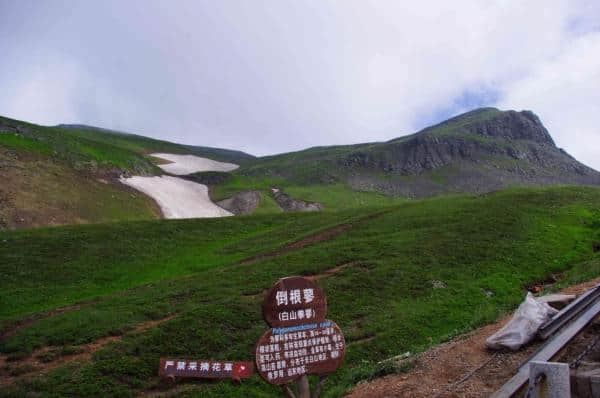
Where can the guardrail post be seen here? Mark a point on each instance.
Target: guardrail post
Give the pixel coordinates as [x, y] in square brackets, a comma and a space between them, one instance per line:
[549, 380]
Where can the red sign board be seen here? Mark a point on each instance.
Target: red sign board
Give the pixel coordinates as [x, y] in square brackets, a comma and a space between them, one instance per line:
[285, 354]
[205, 369]
[301, 341]
[293, 301]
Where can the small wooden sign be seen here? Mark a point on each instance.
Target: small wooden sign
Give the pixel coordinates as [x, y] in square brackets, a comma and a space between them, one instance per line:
[285, 354]
[293, 301]
[202, 369]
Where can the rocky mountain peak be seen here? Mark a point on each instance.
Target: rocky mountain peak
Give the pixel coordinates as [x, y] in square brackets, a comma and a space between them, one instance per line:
[512, 125]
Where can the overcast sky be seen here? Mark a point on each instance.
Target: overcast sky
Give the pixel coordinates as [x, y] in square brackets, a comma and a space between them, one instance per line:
[280, 75]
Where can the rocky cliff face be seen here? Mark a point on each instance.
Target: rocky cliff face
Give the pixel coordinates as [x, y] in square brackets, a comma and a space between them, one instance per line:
[479, 151]
[476, 152]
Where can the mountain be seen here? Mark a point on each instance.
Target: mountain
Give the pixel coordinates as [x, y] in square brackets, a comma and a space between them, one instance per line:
[479, 151]
[69, 174]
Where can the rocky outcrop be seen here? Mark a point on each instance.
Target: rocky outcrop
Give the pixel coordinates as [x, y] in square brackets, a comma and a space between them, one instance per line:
[287, 203]
[478, 151]
[512, 125]
[241, 203]
[469, 153]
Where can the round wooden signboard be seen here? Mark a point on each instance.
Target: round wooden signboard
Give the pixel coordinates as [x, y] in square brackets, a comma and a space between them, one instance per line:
[285, 354]
[293, 301]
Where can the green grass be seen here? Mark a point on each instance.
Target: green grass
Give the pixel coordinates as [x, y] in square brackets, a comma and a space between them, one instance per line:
[145, 145]
[385, 303]
[92, 148]
[50, 267]
[75, 149]
[15, 141]
[335, 197]
[339, 196]
[267, 205]
[238, 183]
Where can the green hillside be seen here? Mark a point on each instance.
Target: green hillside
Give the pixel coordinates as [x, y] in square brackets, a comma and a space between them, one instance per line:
[479, 151]
[92, 148]
[180, 288]
[144, 145]
[69, 175]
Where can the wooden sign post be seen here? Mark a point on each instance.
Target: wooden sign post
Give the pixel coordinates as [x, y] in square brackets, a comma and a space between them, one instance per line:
[301, 341]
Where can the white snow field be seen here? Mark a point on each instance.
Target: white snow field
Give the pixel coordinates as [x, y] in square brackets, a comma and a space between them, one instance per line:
[188, 164]
[177, 198]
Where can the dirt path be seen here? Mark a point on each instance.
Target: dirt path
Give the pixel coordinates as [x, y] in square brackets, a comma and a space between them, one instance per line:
[318, 237]
[332, 271]
[310, 240]
[48, 358]
[462, 367]
[30, 320]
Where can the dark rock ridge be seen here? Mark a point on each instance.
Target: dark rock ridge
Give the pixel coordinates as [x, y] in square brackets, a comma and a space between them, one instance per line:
[476, 152]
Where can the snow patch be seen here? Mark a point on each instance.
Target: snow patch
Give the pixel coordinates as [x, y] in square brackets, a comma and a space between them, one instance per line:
[177, 198]
[188, 164]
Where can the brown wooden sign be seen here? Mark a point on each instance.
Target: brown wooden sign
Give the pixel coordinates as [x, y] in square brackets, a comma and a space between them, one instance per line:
[285, 354]
[293, 301]
[205, 369]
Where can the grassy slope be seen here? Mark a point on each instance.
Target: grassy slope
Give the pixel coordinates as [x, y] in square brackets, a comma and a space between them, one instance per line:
[322, 164]
[384, 303]
[67, 146]
[37, 190]
[82, 146]
[318, 174]
[144, 145]
[335, 197]
[56, 175]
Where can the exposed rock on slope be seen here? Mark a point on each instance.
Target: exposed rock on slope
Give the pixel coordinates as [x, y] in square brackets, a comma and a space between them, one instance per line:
[287, 203]
[241, 203]
[479, 151]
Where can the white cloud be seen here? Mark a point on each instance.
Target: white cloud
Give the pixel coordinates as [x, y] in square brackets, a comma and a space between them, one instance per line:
[422, 55]
[565, 92]
[269, 76]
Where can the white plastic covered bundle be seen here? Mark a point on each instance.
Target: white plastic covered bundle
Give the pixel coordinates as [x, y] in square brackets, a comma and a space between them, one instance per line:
[523, 326]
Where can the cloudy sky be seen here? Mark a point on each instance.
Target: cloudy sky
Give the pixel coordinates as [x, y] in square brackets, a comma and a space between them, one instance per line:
[269, 76]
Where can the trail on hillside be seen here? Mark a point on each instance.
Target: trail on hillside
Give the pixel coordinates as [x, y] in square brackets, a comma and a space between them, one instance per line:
[31, 319]
[45, 359]
[313, 239]
[321, 236]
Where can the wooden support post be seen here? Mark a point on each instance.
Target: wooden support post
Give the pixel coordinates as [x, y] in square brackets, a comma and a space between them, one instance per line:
[303, 387]
[288, 391]
[317, 391]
